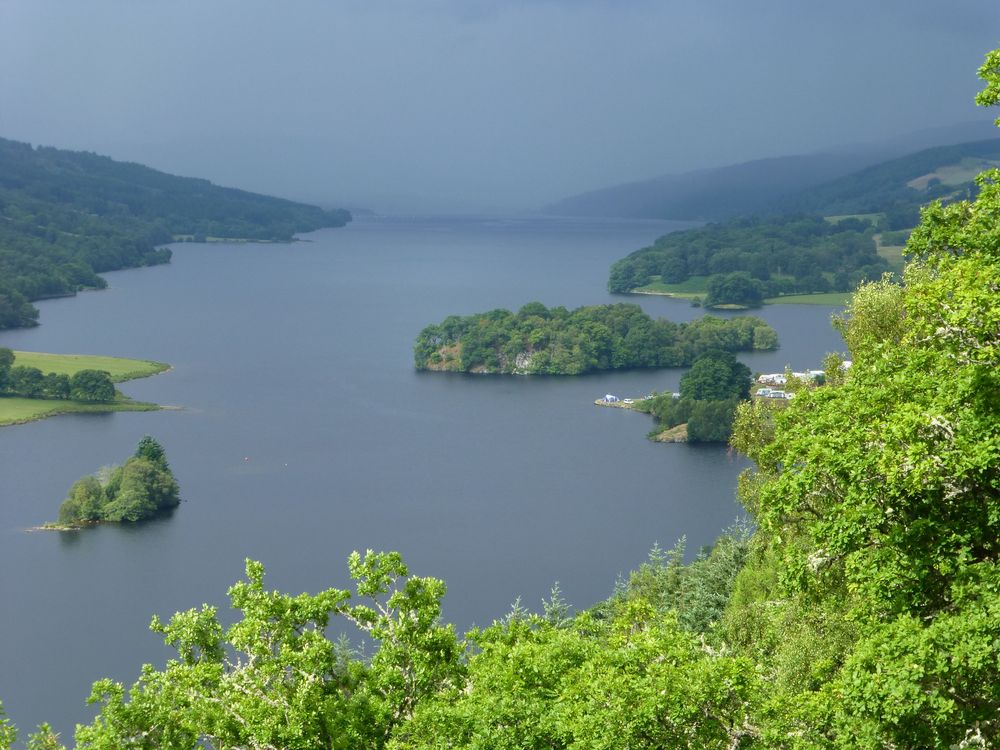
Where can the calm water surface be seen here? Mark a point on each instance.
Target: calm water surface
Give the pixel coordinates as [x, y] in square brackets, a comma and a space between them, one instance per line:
[305, 434]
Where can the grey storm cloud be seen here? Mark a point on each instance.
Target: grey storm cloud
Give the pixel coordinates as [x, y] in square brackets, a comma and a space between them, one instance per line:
[478, 104]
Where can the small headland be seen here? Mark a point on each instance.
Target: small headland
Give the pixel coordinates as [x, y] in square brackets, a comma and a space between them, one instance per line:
[36, 385]
[675, 434]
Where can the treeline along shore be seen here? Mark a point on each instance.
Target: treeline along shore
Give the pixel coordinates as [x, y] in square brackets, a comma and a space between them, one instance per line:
[67, 216]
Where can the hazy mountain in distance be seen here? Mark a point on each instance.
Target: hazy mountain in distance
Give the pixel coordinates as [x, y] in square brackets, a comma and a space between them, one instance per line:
[906, 182]
[753, 186]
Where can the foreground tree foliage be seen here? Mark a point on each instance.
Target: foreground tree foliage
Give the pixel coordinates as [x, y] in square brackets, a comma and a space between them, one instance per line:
[878, 500]
[555, 341]
[275, 680]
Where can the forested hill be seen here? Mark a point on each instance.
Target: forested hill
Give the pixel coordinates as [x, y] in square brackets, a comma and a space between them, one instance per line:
[793, 249]
[778, 185]
[945, 172]
[712, 194]
[66, 216]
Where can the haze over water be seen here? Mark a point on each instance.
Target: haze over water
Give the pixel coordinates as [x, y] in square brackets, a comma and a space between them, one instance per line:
[305, 434]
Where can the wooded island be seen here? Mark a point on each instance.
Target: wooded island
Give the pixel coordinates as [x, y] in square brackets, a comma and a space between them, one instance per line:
[140, 488]
[537, 340]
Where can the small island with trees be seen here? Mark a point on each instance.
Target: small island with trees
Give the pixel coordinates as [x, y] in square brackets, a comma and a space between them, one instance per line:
[141, 488]
[538, 340]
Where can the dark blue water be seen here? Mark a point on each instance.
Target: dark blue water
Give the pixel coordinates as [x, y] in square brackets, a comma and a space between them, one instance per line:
[305, 434]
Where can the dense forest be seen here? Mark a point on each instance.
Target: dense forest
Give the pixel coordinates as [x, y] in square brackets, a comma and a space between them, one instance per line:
[555, 341]
[66, 216]
[786, 255]
[141, 488]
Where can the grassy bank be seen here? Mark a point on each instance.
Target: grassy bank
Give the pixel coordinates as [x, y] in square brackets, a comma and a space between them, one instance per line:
[817, 298]
[14, 410]
[21, 410]
[695, 287]
[689, 289]
[119, 368]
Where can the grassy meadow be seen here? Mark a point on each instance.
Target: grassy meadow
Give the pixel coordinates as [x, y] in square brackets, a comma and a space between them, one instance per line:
[15, 410]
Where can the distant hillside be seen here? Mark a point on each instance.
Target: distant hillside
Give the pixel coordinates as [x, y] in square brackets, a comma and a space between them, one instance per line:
[753, 187]
[901, 185]
[66, 216]
[712, 194]
[791, 249]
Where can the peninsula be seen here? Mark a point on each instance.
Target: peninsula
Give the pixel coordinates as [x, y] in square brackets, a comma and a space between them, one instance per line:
[35, 385]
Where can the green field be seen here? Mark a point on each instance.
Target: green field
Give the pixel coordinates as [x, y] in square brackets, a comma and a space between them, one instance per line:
[688, 289]
[953, 175]
[873, 218]
[15, 410]
[892, 253]
[21, 410]
[695, 287]
[119, 368]
[822, 298]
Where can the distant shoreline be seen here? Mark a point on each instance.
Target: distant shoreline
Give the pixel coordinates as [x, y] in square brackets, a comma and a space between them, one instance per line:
[818, 298]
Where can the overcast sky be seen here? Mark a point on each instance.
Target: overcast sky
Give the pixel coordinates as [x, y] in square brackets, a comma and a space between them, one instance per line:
[474, 103]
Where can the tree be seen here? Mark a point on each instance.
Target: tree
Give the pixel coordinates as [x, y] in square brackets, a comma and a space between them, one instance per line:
[25, 381]
[716, 376]
[84, 503]
[881, 492]
[711, 421]
[737, 288]
[275, 680]
[92, 385]
[152, 451]
[145, 489]
[8, 735]
[56, 385]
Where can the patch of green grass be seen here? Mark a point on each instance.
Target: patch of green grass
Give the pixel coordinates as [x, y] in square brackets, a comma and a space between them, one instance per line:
[953, 175]
[119, 368]
[820, 298]
[893, 254]
[695, 286]
[15, 410]
[873, 218]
